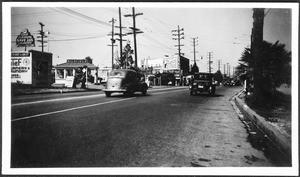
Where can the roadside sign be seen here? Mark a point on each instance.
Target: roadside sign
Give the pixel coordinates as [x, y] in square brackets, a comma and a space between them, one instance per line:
[25, 39]
[69, 81]
[21, 67]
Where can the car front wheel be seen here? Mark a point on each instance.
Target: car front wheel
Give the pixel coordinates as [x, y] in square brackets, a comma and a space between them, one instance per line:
[108, 94]
[144, 92]
[129, 92]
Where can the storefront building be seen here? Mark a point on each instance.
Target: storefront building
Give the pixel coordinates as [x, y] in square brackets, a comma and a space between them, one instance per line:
[165, 67]
[66, 70]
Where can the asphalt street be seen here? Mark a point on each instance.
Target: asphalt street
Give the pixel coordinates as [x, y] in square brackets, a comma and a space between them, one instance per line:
[166, 128]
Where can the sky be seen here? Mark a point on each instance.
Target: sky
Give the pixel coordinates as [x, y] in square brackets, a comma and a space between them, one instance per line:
[76, 32]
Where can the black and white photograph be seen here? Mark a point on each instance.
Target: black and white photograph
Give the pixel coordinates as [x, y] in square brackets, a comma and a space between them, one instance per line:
[150, 88]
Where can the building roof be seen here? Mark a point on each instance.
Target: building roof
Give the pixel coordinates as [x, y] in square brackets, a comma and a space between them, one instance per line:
[69, 65]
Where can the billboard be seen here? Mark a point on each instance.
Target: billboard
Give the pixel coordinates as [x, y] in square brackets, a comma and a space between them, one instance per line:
[171, 62]
[21, 67]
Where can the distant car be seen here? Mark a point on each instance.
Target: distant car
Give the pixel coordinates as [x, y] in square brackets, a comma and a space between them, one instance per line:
[125, 81]
[203, 82]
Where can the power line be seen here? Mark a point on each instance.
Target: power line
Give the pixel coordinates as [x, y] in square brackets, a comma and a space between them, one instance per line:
[82, 16]
[158, 42]
[267, 13]
[75, 39]
[36, 13]
[74, 35]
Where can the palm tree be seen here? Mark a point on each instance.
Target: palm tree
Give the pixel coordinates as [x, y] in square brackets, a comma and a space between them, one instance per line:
[194, 69]
[276, 66]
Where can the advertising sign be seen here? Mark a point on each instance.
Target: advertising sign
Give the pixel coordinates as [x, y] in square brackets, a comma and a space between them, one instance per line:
[21, 67]
[69, 81]
[25, 39]
[170, 62]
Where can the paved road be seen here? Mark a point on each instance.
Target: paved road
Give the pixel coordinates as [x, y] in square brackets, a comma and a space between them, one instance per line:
[166, 128]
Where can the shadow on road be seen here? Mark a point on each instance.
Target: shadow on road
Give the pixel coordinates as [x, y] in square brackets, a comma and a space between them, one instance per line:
[118, 95]
[207, 95]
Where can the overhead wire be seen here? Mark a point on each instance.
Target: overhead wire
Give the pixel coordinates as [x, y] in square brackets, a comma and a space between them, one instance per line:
[80, 16]
[85, 16]
[37, 13]
[75, 39]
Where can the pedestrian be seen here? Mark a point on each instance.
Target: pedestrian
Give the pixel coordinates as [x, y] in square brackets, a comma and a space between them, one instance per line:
[83, 81]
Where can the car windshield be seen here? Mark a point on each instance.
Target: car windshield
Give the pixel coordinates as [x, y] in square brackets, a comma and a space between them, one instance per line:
[117, 74]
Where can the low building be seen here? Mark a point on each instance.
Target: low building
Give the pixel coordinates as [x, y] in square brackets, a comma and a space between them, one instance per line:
[168, 65]
[65, 70]
[31, 68]
[103, 74]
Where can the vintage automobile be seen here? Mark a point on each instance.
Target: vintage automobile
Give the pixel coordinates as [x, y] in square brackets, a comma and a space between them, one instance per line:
[203, 82]
[126, 81]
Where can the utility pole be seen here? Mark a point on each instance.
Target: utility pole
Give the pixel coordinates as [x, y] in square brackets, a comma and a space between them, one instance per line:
[179, 33]
[219, 62]
[256, 42]
[194, 44]
[120, 34]
[224, 71]
[135, 31]
[209, 61]
[112, 41]
[227, 69]
[42, 35]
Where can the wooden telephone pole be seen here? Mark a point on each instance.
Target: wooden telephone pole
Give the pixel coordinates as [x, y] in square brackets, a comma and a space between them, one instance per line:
[180, 35]
[194, 45]
[112, 42]
[134, 32]
[256, 42]
[42, 35]
[209, 61]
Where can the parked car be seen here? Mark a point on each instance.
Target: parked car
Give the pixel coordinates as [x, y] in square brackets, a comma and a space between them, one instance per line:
[203, 82]
[125, 81]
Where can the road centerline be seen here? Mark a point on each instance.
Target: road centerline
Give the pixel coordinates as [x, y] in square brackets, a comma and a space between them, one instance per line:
[57, 99]
[70, 109]
[78, 97]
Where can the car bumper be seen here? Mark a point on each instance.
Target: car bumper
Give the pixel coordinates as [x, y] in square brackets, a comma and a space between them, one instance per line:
[198, 89]
[114, 90]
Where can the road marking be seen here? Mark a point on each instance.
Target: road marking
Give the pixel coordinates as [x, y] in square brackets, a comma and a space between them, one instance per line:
[172, 88]
[81, 107]
[58, 99]
[168, 92]
[71, 109]
[79, 97]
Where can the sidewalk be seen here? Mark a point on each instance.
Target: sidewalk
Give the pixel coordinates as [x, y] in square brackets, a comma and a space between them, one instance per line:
[280, 138]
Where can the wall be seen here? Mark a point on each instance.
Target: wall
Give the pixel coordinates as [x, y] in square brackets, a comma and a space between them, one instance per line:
[41, 69]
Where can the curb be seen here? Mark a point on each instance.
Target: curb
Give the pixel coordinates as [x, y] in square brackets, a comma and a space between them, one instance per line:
[281, 141]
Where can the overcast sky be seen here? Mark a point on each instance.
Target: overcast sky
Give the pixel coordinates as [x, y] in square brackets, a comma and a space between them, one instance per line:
[78, 32]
